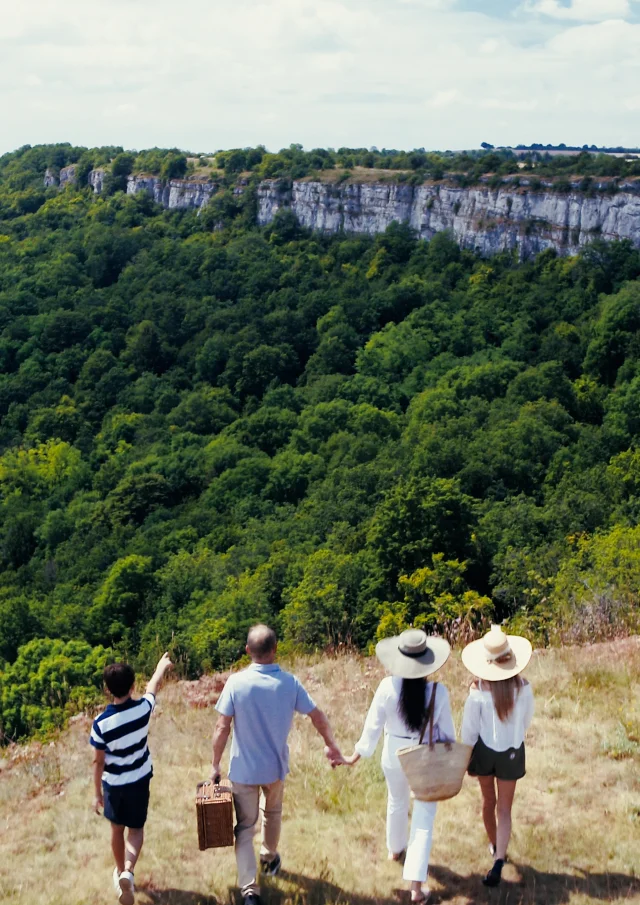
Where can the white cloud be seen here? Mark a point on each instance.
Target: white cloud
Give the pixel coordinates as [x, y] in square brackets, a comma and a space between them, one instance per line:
[355, 72]
[497, 103]
[583, 10]
[612, 41]
[489, 46]
[444, 98]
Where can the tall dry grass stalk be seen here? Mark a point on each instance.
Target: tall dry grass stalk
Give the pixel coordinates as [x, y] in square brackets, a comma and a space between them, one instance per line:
[576, 818]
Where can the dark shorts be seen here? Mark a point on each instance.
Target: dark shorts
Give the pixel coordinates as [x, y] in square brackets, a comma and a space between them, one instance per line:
[127, 805]
[509, 764]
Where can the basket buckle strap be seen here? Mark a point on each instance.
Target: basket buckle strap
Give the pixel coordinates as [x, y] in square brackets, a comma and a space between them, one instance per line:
[209, 792]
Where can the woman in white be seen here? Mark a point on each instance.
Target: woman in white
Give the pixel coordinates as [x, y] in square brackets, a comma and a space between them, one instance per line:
[399, 708]
[497, 714]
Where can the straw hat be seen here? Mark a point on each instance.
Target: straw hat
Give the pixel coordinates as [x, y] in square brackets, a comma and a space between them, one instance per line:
[412, 655]
[497, 656]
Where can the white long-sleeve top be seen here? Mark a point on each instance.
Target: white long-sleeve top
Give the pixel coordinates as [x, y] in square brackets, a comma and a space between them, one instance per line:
[384, 716]
[480, 719]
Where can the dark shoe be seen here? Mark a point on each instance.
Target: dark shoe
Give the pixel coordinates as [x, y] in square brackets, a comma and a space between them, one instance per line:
[495, 874]
[271, 868]
[252, 899]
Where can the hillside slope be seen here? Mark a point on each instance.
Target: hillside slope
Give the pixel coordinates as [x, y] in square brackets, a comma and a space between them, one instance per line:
[577, 813]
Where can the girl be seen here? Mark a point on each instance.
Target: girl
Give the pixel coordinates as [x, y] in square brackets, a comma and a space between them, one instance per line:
[496, 717]
[399, 708]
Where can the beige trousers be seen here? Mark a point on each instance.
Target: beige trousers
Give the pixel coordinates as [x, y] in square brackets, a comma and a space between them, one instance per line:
[248, 808]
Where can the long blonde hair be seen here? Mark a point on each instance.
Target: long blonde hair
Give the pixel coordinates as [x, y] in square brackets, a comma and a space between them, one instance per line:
[504, 695]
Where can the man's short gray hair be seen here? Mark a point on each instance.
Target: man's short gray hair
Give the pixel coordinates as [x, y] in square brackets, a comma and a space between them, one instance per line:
[261, 641]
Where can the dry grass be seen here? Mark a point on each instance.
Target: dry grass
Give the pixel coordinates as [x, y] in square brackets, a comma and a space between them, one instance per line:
[357, 175]
[576, 820]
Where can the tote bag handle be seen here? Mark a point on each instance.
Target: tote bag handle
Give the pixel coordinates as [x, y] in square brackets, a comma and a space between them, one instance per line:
[428, 717]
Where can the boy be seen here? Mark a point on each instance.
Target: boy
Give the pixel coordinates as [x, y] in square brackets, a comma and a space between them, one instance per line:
[122, 767]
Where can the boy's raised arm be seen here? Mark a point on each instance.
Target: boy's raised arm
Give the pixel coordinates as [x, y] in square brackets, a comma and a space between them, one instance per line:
[164, 664]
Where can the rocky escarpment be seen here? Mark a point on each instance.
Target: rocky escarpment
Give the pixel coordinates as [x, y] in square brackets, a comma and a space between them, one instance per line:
[516, 215]
[488, 220]
[68, 175]
[96, 180]
[174, 194]
[65, 176]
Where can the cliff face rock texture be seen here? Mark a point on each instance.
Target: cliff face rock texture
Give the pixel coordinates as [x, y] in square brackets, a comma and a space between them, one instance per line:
[96, 180]
[484, 218]
[481, 218]
[68, 175]
[178, 194]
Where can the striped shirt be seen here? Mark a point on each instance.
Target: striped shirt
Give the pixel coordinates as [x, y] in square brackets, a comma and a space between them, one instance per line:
[121, 732]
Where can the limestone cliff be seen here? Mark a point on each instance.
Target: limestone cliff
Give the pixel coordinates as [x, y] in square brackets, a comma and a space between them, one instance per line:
[68, 175]
[96, 180]
[178, 194]
[488, 220]
[513, 216]
[175, 194]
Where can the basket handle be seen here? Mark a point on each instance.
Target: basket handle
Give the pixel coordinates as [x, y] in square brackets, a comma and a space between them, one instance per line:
[217, 789]
[428, 717]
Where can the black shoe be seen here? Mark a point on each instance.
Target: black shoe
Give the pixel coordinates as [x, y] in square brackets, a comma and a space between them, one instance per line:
[495, 874]
[252, 899]
[271, 868]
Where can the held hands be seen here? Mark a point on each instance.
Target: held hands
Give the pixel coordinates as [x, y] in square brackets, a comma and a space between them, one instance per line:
[351, 760]
[333, 755]
[337, 759]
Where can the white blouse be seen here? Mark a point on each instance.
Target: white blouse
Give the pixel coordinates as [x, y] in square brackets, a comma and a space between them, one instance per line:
[480, 719]
[384, 715]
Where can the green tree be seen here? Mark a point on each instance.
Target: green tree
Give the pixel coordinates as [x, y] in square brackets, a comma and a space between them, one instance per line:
[321, 608]
[122, 601]
[419, 517]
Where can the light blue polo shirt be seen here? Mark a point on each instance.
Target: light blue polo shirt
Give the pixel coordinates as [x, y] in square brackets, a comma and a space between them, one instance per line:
[262, 701]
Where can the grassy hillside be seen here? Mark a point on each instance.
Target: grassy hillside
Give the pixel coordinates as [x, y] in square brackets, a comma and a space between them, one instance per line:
[576, 816]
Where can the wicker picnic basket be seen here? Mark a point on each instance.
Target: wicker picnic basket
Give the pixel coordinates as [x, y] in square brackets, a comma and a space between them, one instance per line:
[435, 771]
[214, 810]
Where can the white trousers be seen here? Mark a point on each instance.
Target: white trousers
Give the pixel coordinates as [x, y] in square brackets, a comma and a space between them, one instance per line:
[418, 841]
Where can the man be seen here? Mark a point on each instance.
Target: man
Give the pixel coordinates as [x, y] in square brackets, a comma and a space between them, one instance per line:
[261, 702]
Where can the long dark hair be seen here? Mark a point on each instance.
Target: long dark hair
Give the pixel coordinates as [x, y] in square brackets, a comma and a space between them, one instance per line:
[411, 705]
[504, 695]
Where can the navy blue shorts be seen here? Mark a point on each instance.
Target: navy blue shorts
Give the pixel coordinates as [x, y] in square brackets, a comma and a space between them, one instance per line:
[127, 805]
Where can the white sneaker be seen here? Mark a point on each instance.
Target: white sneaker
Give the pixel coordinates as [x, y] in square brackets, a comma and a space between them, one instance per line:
[126, 888]
[116, 881]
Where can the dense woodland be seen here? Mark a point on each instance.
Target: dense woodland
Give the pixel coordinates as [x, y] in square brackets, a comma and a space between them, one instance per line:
[201, 428]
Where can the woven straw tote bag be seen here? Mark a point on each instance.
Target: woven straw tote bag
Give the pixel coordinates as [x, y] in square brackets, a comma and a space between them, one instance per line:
[435, 771]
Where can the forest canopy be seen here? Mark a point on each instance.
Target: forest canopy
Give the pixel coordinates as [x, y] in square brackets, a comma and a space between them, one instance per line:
[202, 428]
[23, 170]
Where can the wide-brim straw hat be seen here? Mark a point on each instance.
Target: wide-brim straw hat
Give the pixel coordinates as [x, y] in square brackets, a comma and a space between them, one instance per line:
[413, 654]
[497, 656]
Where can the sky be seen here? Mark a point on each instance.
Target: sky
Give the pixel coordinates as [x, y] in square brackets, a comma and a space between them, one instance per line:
[211, 74]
